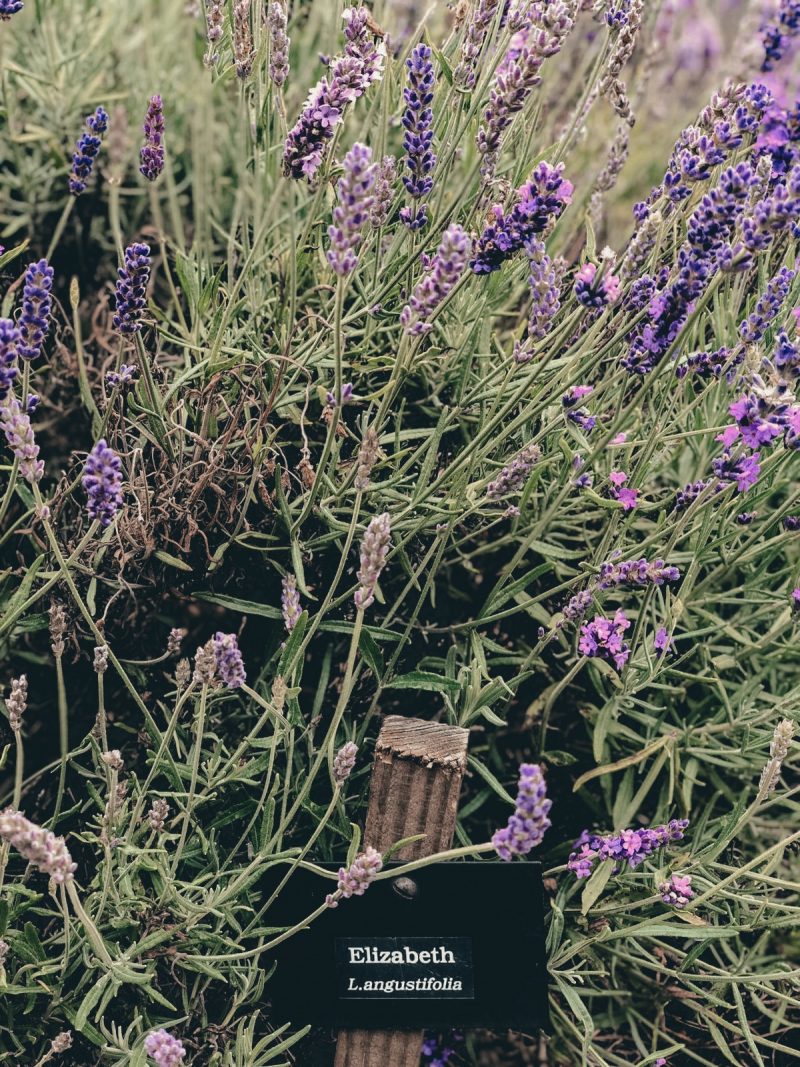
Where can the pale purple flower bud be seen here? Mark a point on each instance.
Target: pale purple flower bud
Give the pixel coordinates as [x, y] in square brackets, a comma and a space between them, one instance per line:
[215, 17]
[442, 273]
[344, 762]
[278, 43]
[157, 816]
[17, 702]
[367, 458]
[61, 1042]
[374, 549]
[677, 890]
[243, 50]
[290, 602]
[478, 28]
[529, 823]
[164, 1049]
[40, 847]
[16, 425]
[229, 663]
[513, 477]
[358, 877]
[778, 751]
[356, 200]
[101, 659]
[384, 191]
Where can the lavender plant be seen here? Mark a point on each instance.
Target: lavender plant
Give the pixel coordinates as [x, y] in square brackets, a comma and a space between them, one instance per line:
[450, 365]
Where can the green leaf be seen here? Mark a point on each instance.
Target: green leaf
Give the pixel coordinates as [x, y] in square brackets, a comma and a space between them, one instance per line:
[424, 680]
[90, 1001]
[247, 607]
[489, 778]
[370, 650]
[598, 880]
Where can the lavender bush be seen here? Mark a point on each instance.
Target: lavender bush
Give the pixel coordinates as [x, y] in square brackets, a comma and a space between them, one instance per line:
[413, 358]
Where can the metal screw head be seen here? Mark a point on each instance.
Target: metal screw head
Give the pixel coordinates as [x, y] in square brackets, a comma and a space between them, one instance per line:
[406, 888]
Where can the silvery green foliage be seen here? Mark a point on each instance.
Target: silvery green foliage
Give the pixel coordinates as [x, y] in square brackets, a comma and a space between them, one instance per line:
[529, 468]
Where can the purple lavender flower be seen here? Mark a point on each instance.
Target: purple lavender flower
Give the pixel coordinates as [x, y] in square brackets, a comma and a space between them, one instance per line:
[528, 824]
[164, 1049]
[102, 481]
[350, 75]
[771, 216]
[768, 306]
[40, 847]
[351, 214]
[760, 415]
[786, 356]
[87, 151]
[442, 272]
[629, 846]
[741, 471]
[9, 8]
[686, 496]
[151, 154]
[710, 226]
[594, 292]
[636, 572]
[383, 192]
[124, 378]
[538, 204]
[9, 344]
[356, 879]
[677, 890]
[344, 762]
[519, 73]
[277, 21]
[579, 415]
[629, 498]
[290, 602]
[543, 280]
[418, 138]
[711, 364]
[229, 662]
[374, 550]
[16, 425]
[513, 476]
[662, 642]
[34, 322]
[131, 290]
[604, 637]
[778, 33]
[475, 35]
[438, 1051]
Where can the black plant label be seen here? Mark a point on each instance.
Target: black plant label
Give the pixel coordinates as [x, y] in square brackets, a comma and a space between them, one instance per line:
[449, 945]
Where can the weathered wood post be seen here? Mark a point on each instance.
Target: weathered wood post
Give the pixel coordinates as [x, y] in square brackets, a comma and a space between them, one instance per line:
[416, 780]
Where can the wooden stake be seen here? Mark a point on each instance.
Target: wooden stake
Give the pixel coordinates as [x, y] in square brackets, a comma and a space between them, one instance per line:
[416, 780]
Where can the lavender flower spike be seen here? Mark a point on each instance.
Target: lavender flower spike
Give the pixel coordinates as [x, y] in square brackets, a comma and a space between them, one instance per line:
[355, 189]
[475, 36]
[34, 322]
[102, 481]
[374, 549]
[513, 476]
[16, 425]
[344, 762]
[9, 349]
[130, 295]
[151, 154]
[290, 602]
[442, 272]
[9, 8]
[278, 43]
[42, 848]
[229, 663]
[418, 138]
[357, 878]
[528, 824]
[164, 1049]
[87, 151]
[243, 50]
[350, 75]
